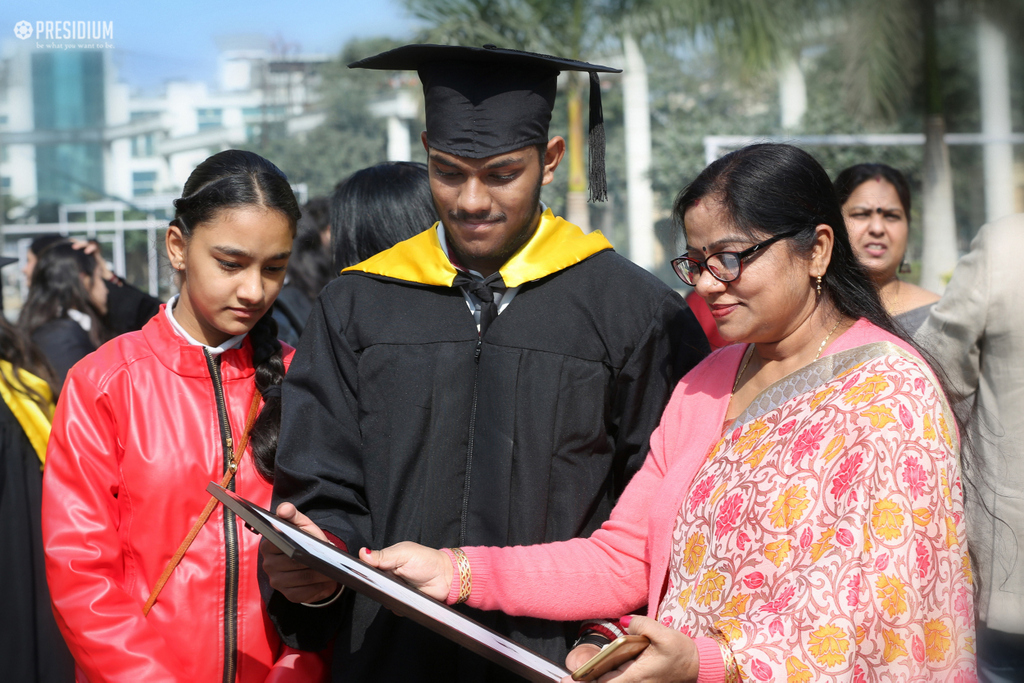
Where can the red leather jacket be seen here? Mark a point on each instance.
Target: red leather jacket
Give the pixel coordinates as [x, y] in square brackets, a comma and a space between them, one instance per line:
[137, 436]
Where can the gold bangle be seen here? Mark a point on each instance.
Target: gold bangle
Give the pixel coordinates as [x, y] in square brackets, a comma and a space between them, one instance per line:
[732, 669]
[465, 575]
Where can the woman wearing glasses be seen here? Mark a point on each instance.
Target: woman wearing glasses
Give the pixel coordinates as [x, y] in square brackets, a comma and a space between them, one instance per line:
[800, 514]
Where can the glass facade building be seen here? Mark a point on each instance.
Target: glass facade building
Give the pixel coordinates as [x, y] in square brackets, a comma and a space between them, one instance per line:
[68, 94]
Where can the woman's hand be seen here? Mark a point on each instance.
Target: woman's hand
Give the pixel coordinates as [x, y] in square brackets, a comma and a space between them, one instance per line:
[424, 568]
[670, 658]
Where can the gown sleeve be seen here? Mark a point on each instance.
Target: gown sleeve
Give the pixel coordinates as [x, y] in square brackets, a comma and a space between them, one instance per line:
[102, 624]
[320, 417]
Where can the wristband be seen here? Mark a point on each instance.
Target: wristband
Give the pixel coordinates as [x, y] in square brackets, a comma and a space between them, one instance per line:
[732, 669]
[327, 601]
[465, 575]
[591, 638]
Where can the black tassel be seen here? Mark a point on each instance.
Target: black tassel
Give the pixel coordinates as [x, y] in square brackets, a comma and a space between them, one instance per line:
[598, 179]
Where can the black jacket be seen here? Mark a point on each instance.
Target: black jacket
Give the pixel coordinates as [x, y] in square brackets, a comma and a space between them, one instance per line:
[128, 308]
[400, 423]
[64, 343]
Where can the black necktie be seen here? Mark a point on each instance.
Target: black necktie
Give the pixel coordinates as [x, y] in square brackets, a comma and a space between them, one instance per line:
[484, 290]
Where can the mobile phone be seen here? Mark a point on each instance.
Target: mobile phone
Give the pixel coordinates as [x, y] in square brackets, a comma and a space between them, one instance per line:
[620, 650]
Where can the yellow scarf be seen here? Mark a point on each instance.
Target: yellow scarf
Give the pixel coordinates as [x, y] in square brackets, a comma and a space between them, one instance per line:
[33, 419]
[556, 245]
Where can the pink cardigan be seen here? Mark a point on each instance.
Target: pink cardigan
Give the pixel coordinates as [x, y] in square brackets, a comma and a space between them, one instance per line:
[610, 572]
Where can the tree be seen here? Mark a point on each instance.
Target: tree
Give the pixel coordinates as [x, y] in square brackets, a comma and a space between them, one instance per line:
[350, 138]
[891, 45]
[750, 34]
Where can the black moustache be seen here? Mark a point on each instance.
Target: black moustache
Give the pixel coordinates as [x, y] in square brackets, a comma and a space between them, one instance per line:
[461, 217]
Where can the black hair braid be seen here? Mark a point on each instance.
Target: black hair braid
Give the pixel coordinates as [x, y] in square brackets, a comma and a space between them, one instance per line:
[266, 358]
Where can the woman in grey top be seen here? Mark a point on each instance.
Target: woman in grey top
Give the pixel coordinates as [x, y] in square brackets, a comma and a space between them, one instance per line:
[876, 205]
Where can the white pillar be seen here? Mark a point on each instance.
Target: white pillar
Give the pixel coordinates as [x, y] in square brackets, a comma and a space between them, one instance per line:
[637, 121]
[399, 148]
[792, 93]
[939, 234]
[994, 77]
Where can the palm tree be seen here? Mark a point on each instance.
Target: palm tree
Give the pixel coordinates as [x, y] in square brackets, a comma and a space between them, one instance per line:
[749, 34]
[891, 45]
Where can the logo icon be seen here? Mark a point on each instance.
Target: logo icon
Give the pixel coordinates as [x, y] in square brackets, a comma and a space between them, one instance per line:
[23, 30]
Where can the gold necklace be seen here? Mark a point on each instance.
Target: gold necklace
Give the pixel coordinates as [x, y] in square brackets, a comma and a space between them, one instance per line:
[743, 368]
[825, 340]
[750, 353]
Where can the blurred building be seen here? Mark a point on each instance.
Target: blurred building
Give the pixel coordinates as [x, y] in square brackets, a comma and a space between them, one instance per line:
[82, 154]
[70, 132]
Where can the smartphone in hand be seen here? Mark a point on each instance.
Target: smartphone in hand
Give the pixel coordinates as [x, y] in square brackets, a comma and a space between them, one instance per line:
[620, 650]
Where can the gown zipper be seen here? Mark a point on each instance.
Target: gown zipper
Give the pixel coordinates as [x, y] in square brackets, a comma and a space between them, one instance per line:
[230, 530]
[469, 449]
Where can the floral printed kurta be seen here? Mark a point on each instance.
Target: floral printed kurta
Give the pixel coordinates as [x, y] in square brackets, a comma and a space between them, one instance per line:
[824, 536]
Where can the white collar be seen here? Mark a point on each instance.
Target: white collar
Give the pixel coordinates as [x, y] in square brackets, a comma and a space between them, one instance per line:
[232, 343]
[82, 319]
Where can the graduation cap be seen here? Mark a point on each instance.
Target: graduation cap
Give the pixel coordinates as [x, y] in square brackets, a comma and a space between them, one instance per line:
[483, 101]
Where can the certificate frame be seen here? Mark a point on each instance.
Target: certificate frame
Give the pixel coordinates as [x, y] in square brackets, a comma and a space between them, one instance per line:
[392, 593]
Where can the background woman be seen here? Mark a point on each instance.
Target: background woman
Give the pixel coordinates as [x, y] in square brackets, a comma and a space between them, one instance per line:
[65, 302]
[876, 204]
[800, 513]
[147, 421]
[376, 208]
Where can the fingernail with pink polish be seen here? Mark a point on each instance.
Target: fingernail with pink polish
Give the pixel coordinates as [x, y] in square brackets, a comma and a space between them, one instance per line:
[624, 621]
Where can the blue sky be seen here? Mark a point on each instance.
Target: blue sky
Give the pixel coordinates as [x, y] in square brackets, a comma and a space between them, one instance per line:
[158, 40]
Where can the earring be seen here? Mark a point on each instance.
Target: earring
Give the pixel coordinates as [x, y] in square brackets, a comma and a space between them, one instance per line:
[819, 285]
[905, 268]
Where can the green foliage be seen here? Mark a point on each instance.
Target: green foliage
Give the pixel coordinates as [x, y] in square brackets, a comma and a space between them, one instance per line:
[350, 138]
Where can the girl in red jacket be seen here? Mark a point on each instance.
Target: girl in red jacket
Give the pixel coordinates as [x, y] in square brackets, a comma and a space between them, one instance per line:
[147, 421]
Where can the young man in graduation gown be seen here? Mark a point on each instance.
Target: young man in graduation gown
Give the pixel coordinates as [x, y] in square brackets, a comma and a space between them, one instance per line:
[493, 380]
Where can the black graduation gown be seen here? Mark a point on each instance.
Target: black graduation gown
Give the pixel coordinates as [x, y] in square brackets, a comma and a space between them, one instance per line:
[400, 423]
[31, 647]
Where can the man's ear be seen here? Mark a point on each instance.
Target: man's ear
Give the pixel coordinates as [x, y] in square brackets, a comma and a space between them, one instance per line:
[553, 154]
[423, 139]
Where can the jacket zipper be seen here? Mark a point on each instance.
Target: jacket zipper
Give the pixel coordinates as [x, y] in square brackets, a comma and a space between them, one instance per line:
[469, 449]
[230, 530]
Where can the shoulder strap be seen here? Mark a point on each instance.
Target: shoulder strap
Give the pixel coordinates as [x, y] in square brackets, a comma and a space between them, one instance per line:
[236, 457]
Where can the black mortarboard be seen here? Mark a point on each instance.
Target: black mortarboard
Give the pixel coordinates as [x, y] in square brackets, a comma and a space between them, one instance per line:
[482, 101]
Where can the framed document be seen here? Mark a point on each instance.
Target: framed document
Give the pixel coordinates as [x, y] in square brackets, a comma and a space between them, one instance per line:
[394, 594]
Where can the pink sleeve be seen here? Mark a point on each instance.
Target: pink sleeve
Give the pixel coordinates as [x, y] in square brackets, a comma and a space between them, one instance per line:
[583, 578]
[709, 654]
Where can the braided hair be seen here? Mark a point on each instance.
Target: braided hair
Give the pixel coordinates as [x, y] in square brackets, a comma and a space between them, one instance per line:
[232, 179]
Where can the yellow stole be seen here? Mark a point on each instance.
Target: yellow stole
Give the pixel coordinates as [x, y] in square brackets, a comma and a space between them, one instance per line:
[32, 418]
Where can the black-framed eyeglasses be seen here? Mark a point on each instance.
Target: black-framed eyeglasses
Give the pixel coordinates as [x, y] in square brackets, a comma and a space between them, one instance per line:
[725, 266]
